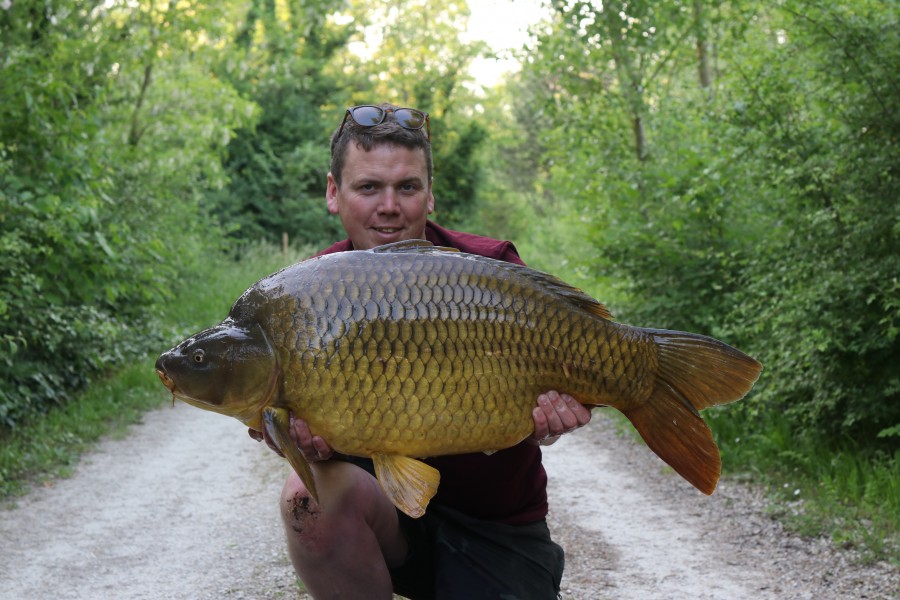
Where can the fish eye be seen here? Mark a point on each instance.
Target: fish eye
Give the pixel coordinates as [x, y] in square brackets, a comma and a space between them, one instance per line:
[198, 356]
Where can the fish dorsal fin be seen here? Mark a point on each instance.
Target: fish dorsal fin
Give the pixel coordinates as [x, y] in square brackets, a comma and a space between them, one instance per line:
[560, 287]
[409, 483]
[413, 246]
[568, 292]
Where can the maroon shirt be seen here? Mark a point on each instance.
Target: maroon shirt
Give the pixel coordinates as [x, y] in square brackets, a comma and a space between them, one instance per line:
[509, 486]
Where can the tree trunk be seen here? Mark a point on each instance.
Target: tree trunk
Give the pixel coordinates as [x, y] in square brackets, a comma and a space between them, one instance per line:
[629, 78]
[134, 135]
[703, 66]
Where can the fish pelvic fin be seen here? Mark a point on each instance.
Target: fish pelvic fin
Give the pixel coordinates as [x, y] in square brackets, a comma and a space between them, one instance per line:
[409, 483]
[695, 372]
[277, 422]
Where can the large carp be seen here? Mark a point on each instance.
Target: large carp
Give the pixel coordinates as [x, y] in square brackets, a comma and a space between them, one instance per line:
[409, 350]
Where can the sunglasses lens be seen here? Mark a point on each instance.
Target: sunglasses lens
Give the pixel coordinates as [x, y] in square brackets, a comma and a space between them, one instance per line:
[410, 118]
[367, 116]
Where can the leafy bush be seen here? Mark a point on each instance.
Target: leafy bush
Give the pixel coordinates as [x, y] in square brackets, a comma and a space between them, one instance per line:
[821, 289]
[762, 209]
[100, 182]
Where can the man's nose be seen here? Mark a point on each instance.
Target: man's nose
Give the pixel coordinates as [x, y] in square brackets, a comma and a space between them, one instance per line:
[389, 202]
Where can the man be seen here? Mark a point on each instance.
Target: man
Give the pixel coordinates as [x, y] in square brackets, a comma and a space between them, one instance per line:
[484, 534]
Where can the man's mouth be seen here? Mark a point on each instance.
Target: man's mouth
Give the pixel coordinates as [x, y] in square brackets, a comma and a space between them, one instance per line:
[387, 230]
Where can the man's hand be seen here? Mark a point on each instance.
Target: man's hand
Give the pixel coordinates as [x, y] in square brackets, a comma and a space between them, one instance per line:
[556, 414]
[313, 447]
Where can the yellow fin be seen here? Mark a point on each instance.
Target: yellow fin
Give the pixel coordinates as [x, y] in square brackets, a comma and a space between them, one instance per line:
[409, 483]
[278, 422]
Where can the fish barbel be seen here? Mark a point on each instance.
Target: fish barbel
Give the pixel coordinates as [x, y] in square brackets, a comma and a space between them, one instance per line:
[408, 351]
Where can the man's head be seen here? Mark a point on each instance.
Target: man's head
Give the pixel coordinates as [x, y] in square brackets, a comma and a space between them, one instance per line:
[358, 128]
[380, 179]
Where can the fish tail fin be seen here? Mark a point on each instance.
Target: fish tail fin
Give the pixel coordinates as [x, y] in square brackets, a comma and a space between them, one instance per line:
[695, 372]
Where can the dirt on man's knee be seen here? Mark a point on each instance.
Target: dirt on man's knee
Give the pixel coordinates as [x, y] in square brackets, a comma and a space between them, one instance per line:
[301, 508]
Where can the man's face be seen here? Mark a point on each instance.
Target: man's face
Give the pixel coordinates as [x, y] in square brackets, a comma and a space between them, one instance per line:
[385, 195]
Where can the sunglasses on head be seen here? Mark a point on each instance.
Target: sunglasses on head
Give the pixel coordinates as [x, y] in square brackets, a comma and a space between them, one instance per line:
[367, 115]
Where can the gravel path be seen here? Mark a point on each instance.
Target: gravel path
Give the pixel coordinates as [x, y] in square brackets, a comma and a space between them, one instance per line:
[155, 515]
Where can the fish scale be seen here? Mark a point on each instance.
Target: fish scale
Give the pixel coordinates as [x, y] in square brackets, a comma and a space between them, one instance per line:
[429, 305]
[409, 351]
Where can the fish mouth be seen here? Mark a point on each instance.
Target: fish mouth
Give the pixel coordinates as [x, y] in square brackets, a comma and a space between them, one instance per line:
[166, 380]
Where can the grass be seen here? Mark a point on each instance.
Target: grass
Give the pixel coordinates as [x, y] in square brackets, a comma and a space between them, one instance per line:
[818, 486]
[856, 495]
[843, 491]
[48, 447]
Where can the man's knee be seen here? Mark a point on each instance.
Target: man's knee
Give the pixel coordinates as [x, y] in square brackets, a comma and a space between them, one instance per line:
[298, 509]
[313, 527]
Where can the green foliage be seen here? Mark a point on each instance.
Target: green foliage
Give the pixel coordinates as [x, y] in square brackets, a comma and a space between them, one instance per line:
[102, 155]
[760, 213]
[763, 209]
[458, 175]
[277, 168]
[823, 288]
[50, 446]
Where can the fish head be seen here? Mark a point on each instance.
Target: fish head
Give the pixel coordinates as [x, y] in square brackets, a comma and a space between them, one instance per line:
[228, 369]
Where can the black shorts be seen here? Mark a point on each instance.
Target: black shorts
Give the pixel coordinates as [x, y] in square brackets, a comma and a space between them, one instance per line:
[453, 557]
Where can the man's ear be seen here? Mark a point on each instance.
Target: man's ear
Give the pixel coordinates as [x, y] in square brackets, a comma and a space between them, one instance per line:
[331, 192]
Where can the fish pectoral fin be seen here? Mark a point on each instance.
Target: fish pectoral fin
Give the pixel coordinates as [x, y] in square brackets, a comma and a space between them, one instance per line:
[409, 483]
[278, 422]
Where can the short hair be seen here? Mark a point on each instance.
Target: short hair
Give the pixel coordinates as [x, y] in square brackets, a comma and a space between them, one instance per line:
[368, 137]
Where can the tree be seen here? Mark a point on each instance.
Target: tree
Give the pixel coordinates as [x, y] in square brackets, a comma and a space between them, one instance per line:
[277, 167]
[817, 111]
[744, 219]
[109, 125]
[417, 58]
